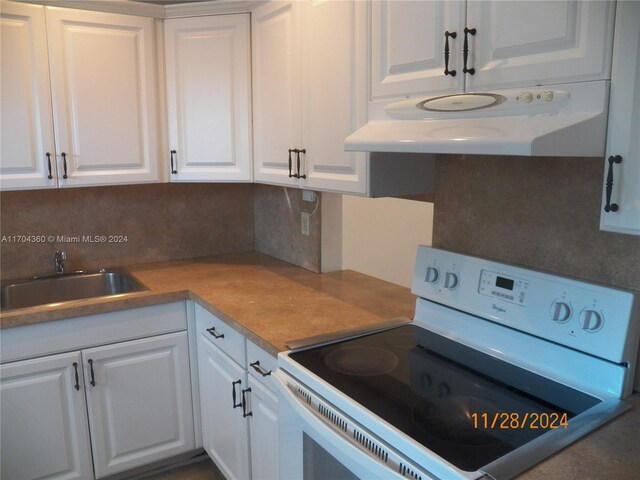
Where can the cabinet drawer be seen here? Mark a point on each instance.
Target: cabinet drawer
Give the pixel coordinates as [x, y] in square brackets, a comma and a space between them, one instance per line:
[221, 335]
[261, 365]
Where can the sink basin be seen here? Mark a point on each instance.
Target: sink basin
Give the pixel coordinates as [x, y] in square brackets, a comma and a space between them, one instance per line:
[65, 287]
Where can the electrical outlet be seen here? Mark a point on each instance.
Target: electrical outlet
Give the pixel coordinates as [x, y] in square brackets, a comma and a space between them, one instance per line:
[304, 221]
[308, 195]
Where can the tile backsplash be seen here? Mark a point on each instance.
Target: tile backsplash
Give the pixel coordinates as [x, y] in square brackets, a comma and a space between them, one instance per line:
[118, 225]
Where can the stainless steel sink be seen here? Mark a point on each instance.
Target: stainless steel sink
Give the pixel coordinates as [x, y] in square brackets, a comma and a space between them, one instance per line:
[67, 286]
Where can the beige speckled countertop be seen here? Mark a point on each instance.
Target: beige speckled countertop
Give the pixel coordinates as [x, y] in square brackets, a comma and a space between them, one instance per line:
[272, 302]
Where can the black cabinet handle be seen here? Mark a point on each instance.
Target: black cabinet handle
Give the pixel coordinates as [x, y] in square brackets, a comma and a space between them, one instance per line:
[256, 366]
[290, 174]
[298, 152]
[93, 378]
[446, 53]
[75, 367]
[49, 164]
[233, 393]
[212, 332]
[64, 164]
[173, 170]
[611, 207]
[465, 50]
[244, 404]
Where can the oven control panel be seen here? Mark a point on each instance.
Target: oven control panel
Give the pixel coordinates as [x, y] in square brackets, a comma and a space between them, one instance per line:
[595, 319]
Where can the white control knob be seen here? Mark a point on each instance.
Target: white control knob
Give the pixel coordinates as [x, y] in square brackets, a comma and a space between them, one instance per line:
[591, 321]
[526, 97]
[451, 280]
[560, 312]
[432, 275]
[547, 96]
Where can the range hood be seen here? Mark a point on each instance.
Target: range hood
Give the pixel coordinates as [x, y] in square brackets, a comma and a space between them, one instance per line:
[553, 120]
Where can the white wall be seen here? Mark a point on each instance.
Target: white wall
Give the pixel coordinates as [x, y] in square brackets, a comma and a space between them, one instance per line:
[380, 236]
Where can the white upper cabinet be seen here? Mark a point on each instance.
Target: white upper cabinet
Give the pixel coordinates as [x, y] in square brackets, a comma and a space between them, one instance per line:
[538, 43]
[621, 195]
[408, 41]
[208, 98]
[27, 147]
[308, 66]
[104, 97]
[276, 90]
[505, 44]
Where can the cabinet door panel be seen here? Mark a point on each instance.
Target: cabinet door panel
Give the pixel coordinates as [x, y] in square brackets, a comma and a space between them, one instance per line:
[208, 94]
[27, 128]
[225, 434]
[539, 43]
[140, 407]
[264, 431]
[103, 84]
[407, 48]
[276, 90]
[334, 94]
[44, 420]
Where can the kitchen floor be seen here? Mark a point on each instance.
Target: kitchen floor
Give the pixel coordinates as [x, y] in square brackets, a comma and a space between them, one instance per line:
[204, 470]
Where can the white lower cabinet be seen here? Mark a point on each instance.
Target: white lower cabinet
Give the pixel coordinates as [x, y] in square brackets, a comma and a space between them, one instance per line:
[121, 405]
[139, 402]
[239, 410]
[43, 422]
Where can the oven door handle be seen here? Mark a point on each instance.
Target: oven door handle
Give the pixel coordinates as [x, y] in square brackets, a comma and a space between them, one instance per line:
[336, 438]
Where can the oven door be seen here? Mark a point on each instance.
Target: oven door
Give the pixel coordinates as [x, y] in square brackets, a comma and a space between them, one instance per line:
[321, 446]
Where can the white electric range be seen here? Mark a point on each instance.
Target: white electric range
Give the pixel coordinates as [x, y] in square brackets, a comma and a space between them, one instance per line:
[500, 368]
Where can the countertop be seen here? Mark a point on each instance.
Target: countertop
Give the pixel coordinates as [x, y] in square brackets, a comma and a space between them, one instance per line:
[272, 302]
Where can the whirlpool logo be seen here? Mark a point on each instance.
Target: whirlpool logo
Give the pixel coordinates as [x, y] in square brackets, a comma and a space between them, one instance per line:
[498, 308]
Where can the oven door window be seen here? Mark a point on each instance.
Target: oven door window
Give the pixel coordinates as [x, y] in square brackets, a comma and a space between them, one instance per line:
[318, 464]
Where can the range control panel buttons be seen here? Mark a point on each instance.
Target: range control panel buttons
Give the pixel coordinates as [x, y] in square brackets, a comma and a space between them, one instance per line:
[451, 280]
[432, 275]
[561, 312]
[591, 321]
[504, 287]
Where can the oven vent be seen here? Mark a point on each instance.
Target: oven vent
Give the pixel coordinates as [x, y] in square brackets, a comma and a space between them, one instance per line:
[373, 447]
[406, 472]
[304, 394]
[332, 417]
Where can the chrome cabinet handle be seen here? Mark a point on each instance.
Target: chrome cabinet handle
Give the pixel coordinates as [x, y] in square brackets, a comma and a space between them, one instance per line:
[49, 165]
[465, 50]
[75, 368]
[212, 332]
[233, 394]
[446, 53]
[64, 164]
[611, 207]
[173, 170]
[256, 366]
[93, 378]
[244, 404]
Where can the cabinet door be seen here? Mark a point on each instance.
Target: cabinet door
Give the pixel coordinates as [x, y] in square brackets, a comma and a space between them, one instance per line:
[624, 118]
[44, 420]
[333, 94]
[208, 97]
[140, 406]
[225, 434]
[276, 90]
[538, 43]
[407, 48]
[263, 405]
[26, 123]
[104, 96]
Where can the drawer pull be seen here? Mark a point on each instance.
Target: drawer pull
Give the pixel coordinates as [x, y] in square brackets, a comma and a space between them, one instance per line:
[173, 170]
[233, 393]
[465, 50]
[93, 378]
[49, 165]
[75, 367]
[212, 332]
[64, 164]
[244, 404]
[446, 53]
[256, 366]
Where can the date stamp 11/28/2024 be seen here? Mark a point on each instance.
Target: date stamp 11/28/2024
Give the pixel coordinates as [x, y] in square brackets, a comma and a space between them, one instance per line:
[519, 421]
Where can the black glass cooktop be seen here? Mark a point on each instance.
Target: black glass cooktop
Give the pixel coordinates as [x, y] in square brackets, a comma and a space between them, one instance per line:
[466, 406]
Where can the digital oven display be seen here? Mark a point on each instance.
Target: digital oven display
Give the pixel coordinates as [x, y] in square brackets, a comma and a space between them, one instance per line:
[505, 283]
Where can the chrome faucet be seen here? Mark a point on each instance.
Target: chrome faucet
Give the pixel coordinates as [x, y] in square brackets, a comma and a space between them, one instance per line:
[59, 259]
